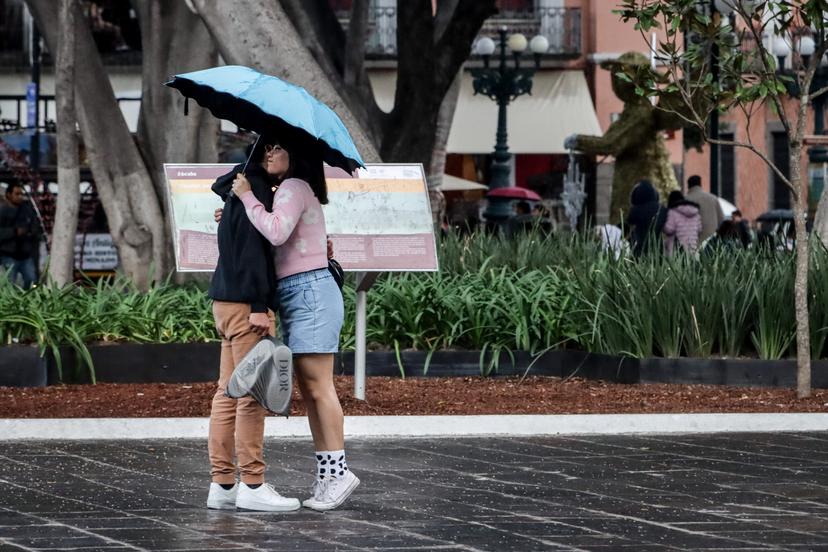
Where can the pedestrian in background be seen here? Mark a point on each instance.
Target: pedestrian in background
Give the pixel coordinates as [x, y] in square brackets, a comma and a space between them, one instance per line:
[745, 233]
[20, 233]
[646, 218]
[521, 221]
[683, 225]
[709, 207]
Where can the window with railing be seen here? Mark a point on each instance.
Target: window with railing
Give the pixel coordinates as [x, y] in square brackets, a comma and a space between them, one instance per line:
[514, 8]
[11, 26]
[113, 24]
[561, 26]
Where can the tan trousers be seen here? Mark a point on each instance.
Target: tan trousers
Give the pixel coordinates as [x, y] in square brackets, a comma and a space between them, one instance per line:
[236, 426]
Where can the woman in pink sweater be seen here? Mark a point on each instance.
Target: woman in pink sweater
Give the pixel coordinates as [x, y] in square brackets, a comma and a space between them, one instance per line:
[311, 310]
[683, 224]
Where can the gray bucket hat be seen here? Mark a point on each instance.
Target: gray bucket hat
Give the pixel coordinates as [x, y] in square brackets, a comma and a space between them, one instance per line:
[266, 374]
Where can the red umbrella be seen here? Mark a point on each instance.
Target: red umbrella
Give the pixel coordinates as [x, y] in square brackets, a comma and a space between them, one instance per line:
[514, 192]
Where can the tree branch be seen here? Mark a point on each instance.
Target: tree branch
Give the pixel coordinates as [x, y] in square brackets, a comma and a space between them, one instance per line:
[355, 42]
[754, 149]
[815, 61]
[445, 11]
[322, 34]
[263, 37]
[465, 23]
[770, 72]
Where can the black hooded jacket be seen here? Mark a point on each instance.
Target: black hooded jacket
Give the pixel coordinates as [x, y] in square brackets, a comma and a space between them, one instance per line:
[11, 218]
[646, 218]
[245, 272]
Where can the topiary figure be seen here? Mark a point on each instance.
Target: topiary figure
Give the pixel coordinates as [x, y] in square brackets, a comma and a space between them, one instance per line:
[635, 139]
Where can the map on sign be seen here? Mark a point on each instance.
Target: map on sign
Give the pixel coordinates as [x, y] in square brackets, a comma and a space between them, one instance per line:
[379, 219]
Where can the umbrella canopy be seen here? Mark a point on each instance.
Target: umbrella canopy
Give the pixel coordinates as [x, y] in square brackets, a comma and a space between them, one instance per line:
[268, 105]
[776, 215]
[727, 207]
[454, 184]
[514, 192]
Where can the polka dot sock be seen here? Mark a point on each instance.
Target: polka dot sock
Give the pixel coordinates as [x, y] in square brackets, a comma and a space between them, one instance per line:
[330, 464]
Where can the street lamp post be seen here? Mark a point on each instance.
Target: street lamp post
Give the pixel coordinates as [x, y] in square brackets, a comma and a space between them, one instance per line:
[503, 84]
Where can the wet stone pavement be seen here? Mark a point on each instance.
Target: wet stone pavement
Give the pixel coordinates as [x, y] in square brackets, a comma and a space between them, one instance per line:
[690, 492]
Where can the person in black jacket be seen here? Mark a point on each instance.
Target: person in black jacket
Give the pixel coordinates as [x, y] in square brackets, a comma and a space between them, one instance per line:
[243, 289]
[646, 218]
[20, 233]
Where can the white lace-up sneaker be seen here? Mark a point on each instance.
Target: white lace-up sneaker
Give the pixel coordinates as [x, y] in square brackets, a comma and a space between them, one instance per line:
[331, 493]
[220, 499]
[264, 499]
[316, 493]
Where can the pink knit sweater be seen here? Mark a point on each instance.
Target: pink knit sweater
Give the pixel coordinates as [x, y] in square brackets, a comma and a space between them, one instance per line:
[296, 226]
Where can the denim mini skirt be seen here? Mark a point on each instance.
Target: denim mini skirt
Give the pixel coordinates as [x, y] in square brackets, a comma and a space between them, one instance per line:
[311, 312]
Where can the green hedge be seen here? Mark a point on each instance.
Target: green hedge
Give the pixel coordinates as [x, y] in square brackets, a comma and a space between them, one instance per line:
[492, 295]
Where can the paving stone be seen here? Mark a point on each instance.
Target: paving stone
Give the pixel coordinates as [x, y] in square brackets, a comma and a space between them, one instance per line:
[636, 493]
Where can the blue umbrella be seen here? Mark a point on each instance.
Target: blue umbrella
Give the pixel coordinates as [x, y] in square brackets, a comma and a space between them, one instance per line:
[268, 105]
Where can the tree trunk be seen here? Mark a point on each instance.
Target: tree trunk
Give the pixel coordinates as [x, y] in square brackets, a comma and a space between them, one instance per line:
[438, 156]
[355, 44]
[174, 40]
[323, 36]
[124, 185]
[261, 36]
[803, 335]
[431, 49]
[444, 119]
[62, 258]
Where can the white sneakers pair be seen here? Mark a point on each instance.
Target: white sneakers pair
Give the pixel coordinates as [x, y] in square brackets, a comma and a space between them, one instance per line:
[263, 498]
[326, 495]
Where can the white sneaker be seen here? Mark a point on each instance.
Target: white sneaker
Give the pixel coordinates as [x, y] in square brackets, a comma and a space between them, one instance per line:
[331, 493]
[220, 499]
[316, 493]
[264, 499]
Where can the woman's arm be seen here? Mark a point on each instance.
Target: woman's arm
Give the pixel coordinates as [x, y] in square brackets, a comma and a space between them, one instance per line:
[288, 205]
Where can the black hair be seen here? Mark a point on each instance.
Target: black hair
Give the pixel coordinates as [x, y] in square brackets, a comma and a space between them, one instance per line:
[694, 181]
[523, 207]
[728, 230]
[675, 198]
[10, 188]
[306, 164]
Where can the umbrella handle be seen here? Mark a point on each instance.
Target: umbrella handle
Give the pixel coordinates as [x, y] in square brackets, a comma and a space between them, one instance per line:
[244, 170]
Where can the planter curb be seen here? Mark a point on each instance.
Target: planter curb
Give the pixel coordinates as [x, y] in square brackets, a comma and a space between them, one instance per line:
[21, 366]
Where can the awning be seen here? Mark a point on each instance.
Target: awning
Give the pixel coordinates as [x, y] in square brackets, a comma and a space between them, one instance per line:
[455, 184]
[560, 105]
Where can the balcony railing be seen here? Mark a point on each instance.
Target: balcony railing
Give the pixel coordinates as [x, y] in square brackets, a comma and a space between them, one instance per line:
[13, 109]
[560, 26]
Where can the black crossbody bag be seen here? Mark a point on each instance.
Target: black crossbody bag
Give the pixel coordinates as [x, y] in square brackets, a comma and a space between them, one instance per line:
[336, 271]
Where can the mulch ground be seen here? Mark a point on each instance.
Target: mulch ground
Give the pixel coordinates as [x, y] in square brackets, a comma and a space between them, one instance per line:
[416, 396]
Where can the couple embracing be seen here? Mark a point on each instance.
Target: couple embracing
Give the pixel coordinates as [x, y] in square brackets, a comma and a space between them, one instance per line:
[273, 255]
